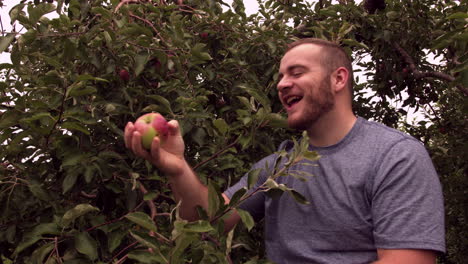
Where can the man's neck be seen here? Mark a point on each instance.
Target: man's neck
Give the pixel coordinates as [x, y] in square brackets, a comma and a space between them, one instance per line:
[331, 128]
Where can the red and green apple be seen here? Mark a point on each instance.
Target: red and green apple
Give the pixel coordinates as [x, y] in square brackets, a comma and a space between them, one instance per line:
[151, 125]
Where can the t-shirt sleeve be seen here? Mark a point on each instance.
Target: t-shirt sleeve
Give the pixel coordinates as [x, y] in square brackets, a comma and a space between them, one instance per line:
[407, 201]
[256, 203]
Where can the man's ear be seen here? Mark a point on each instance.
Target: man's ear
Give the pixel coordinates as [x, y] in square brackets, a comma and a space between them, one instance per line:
[339, 79]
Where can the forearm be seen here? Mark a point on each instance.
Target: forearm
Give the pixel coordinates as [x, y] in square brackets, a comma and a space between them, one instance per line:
[190, 192]
[405, 256]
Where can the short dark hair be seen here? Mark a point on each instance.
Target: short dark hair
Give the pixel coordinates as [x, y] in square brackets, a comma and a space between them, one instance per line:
[333, 56]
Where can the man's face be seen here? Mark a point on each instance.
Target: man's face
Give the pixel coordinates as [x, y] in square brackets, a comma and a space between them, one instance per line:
[304, 86]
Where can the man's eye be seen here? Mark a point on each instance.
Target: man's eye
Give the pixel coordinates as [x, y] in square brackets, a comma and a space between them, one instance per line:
[296, 74]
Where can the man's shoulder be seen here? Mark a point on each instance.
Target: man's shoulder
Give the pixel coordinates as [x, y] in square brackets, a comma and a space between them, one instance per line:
[374, 132]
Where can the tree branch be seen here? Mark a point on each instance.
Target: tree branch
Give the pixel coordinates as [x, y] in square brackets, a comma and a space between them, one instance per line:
[421, 75]
[56, 250]
[123, 250]
[124, 2]
[146, 21]
[216, 154]
[149, 202]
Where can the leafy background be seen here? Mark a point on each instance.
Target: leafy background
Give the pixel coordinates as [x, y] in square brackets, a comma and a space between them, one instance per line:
[71, 193]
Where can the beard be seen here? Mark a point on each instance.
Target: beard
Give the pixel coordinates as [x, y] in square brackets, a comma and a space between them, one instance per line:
[316, 105]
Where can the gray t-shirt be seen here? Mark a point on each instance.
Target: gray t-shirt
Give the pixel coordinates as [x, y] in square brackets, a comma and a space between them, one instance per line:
[376, 188]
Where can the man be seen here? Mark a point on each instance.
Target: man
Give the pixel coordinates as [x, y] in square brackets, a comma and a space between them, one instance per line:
[375, 195]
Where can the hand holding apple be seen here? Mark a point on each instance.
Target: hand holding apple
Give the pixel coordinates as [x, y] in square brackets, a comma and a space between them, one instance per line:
[158, 141]
[151, 125]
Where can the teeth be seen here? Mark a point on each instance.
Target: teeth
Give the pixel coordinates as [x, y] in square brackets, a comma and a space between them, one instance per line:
[292, 98]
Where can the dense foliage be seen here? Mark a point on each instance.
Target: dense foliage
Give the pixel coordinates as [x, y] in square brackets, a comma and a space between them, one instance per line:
[71, 193]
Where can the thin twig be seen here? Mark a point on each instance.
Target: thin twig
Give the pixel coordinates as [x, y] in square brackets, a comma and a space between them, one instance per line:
[150, 24]
[122, 259]
[56, 250]
[1, 24]
[69, 34]
[113, 220]
[50, 255]
[216, 154]
[123, 250]
[150, 203]
[88, 195]
[123, 3]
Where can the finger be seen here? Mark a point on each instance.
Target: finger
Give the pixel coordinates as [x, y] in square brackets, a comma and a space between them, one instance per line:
[174, 128]
[155, 148]
[128, 134]
[137, 147]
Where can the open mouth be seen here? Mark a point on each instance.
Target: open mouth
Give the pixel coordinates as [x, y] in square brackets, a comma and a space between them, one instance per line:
[292, 100]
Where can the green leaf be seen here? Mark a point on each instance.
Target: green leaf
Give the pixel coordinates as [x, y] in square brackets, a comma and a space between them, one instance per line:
[145, 257]
[202, 213]
[36, 12]
[38, 116]
[182, 242]
[270, 183]
[88, 77]
[457, 15]
[6, 41]
[70, 125]
[252, 177]
[354, 43]
[163, 102]
[311, 155]
[277, 120]
[40, 253]
[275, 193]
[142, 220]
[140, 62]
[37, 190]
[69, 181]
[199, 226]
[245, 102]
[36, 235]
[237, 196]
[392, 15]
[74, 159]
[9, 118]
[114, 239]
[221, 125]
[77, 211]
[149, 196]
[199, 56]
[80, 90]
[49, 60]
[145, 240]
[89, 173]
[298, 197]
[16, 12]
[86, 245]
[258, 95]
[246, 218]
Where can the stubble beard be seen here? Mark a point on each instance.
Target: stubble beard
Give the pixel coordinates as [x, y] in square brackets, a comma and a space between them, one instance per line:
[318, 105]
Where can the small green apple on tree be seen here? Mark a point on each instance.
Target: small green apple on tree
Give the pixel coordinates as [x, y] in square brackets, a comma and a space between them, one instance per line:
[151, 125]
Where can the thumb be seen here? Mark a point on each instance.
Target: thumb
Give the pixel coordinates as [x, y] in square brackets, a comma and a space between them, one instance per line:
[174, 128]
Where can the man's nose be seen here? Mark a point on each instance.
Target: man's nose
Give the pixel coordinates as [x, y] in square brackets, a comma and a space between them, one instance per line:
[284, 83]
